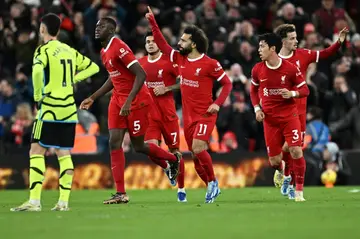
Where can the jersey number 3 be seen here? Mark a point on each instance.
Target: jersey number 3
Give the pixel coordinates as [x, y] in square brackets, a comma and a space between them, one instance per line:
[63, 62]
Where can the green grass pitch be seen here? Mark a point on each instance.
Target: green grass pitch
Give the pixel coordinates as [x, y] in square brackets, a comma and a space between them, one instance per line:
[238, 213]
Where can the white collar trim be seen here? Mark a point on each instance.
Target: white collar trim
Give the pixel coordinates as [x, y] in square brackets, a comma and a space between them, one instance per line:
[274, 67]
[288, 56]
[108, 45]
[195, 59]
[155, 60]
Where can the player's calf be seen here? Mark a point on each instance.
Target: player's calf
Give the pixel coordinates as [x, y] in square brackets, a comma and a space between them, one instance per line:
[288, 163]
[299, 169]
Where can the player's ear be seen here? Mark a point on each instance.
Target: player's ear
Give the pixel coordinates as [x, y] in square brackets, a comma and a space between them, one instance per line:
[193, 45]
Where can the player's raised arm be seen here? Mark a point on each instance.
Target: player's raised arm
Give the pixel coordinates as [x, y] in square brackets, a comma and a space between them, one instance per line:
[158, 36]
[331, 50]
[40, 61]
[85, 66]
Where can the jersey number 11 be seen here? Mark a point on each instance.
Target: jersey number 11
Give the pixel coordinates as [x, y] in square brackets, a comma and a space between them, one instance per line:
[63, 62]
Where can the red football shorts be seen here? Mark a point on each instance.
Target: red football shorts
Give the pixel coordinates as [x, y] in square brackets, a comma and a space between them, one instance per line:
[277, 134]
[201, 129]
[136, 123]
[302, 119]
[169, 129]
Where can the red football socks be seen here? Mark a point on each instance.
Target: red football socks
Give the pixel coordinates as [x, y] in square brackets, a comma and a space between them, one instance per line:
[200, 170]
[299, 169]
[118, 168]
[161, 163]
[206, 162]
[181, 176]
[287, 159]
[160, 154]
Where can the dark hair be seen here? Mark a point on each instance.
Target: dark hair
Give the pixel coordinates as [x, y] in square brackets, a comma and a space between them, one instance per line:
[148, 34]
[199, 37]
[272, 39]
[316, 112]
[52, 23]
[110, 21]
[284, 29]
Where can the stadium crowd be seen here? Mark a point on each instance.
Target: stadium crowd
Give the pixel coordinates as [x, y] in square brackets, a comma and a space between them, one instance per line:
[232, 27]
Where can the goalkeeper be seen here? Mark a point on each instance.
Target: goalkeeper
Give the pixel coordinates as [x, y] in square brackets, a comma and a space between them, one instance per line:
[56, 68]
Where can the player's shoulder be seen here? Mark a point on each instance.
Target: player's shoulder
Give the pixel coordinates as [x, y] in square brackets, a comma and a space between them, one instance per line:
[115, 43]
[143, 59]
[288, 64]
[290, 67]
[258, 66]
[210, 60]
[303, 51]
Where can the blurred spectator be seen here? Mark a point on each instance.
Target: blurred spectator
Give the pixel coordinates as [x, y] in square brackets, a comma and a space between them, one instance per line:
[326, 17]
[9, 99]
[18, 129]
[340, 100]
[317, 132]
[228, 142]
[333, 159]
[349, 123]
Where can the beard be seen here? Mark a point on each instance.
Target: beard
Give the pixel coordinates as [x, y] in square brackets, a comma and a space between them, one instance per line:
[153, 53]
[185, 51]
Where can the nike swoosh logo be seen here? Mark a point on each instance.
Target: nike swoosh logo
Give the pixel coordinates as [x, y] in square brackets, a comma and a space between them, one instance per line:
[294, 141]
[262, 80]
[135, 132]
[182, 66]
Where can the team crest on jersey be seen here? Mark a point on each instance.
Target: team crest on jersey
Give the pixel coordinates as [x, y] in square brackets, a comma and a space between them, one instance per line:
[160, 73]
[298, 63]
[283, 80]
[122, 50]
[197, 71]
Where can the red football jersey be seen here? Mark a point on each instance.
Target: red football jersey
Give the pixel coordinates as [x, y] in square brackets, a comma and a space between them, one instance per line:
[302, 58]
[270, 81]
[161, 72]
[197, 77]
[117, 58]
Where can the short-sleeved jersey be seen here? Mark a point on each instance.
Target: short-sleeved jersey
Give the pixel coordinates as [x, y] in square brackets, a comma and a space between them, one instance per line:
[197, 77]
[55, 93]
[161, 72]
[270, 81]
[302, 58]
[117, 58]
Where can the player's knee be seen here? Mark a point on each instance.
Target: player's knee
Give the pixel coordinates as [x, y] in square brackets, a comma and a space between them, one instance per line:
[296, 152]
[61, 152]
[275, 160]
[114, 142]
[152, 141]
[37, 149]
[285, 147]
[139, 148]
[198, 146]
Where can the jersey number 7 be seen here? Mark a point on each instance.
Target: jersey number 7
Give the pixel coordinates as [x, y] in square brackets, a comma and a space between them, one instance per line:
[63, 62]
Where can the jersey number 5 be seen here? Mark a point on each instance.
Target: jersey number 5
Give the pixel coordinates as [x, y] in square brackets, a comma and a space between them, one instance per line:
[63, 62]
